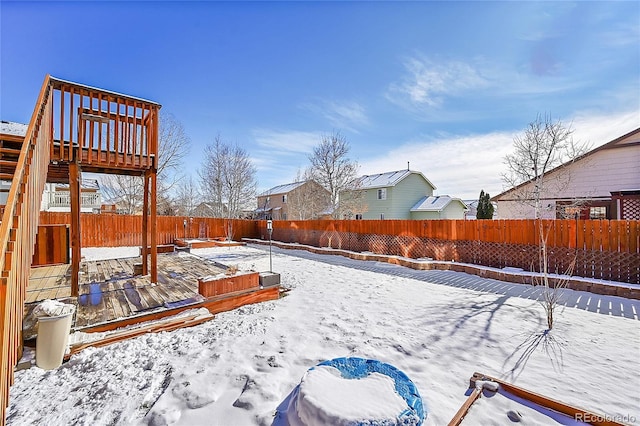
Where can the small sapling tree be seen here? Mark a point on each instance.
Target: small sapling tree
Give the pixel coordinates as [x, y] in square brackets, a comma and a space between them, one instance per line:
[538, 169]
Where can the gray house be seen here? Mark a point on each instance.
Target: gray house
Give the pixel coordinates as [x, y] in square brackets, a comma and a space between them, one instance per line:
[401, 194]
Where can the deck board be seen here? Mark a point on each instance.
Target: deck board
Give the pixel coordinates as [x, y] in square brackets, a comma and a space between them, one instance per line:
[109, 290]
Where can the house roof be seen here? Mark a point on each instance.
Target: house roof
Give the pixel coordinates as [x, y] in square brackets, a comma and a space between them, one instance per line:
[85, 184]
[282, 189]
[12, 128]
[607, 145]
[435, 203]
[387, 179]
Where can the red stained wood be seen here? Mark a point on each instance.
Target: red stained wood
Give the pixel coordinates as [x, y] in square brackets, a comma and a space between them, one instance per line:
[216, 286]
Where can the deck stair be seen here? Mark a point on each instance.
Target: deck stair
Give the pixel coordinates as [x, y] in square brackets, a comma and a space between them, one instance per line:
[73, 128]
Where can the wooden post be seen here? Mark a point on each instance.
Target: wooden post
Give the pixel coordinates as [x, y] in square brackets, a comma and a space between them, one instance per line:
[145, 225]
[74, 190]
[154, 228]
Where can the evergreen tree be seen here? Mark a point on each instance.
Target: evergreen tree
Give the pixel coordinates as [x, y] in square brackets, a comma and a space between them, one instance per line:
[485, 208]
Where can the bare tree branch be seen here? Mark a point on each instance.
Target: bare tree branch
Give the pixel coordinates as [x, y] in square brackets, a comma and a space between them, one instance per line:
[332, 169]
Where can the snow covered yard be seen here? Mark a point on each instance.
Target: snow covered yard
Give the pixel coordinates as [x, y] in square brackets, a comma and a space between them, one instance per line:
[237, 368]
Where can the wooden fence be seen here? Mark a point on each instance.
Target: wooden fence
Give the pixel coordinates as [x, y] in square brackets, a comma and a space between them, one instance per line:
[110, 230]
[603, 249]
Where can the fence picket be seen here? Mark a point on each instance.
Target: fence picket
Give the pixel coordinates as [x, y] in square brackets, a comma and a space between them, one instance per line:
[604, 249]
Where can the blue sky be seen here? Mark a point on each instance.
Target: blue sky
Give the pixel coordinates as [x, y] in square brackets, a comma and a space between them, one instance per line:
[444, 85]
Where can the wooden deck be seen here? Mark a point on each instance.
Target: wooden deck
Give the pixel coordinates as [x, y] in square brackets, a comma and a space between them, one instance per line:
[109, 290]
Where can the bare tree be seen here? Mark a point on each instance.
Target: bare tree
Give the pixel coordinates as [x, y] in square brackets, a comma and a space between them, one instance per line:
[124, 191]
[537, 170]
[331, 168]
[173, 146]
[228, 180]
[541, 157]
[307, 201]
[187, 197]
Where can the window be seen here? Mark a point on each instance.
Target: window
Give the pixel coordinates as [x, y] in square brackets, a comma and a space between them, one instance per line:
[382, 194]
[358, 217]
[284, 198]
[598, 212]
[284, 216]
[268, 200]
[381, 216]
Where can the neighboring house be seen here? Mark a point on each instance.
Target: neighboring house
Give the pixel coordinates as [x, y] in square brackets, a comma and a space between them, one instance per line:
[472, 206]
[438, 207]
[293, 201]
[402, 194]
[604, 183]
[204, 210]
[56, 197]
[11, 137]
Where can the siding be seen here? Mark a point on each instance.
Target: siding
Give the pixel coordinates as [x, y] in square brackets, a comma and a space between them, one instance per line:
[595, 176]
[400, 198]
[453, 210]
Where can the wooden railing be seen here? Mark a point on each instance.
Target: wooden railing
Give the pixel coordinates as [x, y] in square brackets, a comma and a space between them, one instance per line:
[18, 232]
[88, 200]
[110, 129]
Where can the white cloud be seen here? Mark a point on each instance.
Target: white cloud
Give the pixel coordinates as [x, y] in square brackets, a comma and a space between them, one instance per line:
[280, 154]
[343, 115]
[597, 129]
[462, 165]
[459, 166]
[427, 83]
[286, 142]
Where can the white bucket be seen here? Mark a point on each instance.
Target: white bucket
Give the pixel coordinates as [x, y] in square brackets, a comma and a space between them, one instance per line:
[52, 340]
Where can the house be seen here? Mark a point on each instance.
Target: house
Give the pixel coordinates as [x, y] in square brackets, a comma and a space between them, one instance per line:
[472, 206]
[293, 201]
[438, 207]
[401, 194]
[56, 197]
[603, 183]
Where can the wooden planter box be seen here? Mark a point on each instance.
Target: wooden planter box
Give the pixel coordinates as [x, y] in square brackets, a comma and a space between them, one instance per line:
[163, 248]
[215, 286]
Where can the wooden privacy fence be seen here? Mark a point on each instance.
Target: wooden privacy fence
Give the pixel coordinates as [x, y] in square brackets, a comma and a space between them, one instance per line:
[603, 249]
[108, 230]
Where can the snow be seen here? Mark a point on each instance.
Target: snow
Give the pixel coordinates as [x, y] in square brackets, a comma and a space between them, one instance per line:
[52, 308]
[326, 398]
[239, 367]
[105, 253]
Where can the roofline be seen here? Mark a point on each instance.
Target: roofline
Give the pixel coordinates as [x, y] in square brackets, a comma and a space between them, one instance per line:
[466, 208]
[391, 186]
[267, 193]
[586, 154]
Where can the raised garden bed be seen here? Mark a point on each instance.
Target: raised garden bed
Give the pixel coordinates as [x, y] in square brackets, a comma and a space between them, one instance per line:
[222, 284]
[164, 248]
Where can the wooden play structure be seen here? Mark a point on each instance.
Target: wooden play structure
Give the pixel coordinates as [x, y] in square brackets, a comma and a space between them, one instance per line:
[73, 128]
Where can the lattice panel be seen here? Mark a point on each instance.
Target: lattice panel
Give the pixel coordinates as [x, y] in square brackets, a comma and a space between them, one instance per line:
[607, 265]
[630, 208]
